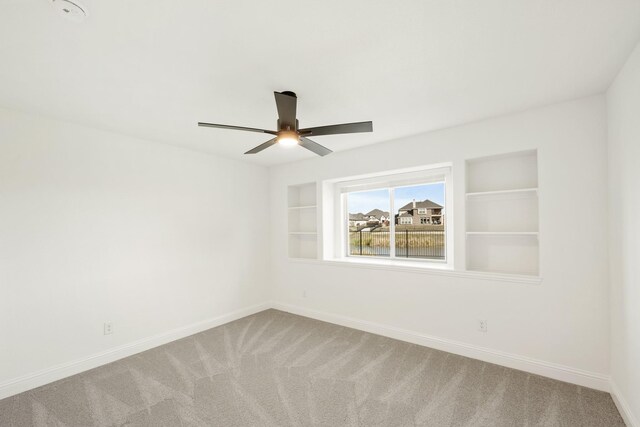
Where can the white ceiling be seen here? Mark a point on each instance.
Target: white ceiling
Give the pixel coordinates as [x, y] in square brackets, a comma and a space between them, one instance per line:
[153, 68]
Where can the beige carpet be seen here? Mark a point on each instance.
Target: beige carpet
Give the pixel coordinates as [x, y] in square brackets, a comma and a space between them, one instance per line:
[278, 369]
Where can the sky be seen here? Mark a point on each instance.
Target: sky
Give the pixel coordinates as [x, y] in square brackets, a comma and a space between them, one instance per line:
[365, 201]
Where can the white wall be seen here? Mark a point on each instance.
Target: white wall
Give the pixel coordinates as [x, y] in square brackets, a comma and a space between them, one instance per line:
[562, 323]
[97, 226]
[624, 173]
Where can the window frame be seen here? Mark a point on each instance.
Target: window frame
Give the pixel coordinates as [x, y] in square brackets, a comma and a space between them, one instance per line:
[441, 173]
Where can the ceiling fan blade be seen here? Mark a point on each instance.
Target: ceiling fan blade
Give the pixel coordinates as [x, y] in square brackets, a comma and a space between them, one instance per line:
[286, 103]
[214, 125]
[262, 146]
[338, 129]
[314, 146]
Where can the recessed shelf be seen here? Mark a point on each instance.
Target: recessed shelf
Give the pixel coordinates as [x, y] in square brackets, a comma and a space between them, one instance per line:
[503, 192]
[303, 246]
[303, 207]
[502, 172]
[503, 254]
[502, 214]
[302, 195]
[303, 221]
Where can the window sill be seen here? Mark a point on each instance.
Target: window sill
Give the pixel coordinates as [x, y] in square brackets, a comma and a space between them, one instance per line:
[423, 268]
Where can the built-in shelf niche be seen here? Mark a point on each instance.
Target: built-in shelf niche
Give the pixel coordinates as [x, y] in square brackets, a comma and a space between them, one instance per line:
[503, 253]
[303, 221]
[513, 171]
[502, 214]
[303, 196]
[303, 246]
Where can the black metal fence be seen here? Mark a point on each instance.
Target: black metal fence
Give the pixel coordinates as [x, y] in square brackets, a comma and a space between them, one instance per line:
[409, 244]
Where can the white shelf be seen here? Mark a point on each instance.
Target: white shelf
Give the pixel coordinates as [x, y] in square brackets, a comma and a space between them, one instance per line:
[503, 254]
[503, 192]
[503, 212]
[303, 246]
[302, 221]
[502, 172]
[302, 195]
[502, 233]
[302, 207]
[501, 202]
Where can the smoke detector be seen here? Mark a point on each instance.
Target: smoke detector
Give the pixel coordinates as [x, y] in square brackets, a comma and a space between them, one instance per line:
[70, 9]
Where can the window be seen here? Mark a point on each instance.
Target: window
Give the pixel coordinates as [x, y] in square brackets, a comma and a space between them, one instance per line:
[370, 238]
[400, 210]
[406, 219]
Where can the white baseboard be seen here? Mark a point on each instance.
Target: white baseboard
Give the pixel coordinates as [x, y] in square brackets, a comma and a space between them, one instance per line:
[547, 369]
[539, 367]
[46, 376]
[623, 407]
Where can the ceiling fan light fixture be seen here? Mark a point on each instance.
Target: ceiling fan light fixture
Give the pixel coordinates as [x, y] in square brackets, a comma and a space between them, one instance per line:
[288, 139]
[288, 134]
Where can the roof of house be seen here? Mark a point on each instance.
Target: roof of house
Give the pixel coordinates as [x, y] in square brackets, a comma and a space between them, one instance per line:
[424, 204]
[357, 217]
[378, 213]
[405, 215]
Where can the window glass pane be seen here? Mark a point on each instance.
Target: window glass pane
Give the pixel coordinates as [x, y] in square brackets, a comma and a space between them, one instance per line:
[369, 217]
[420, 221]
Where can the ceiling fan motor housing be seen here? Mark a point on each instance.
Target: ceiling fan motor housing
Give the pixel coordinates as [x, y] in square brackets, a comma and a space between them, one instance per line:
[289, 133]
[286, 127]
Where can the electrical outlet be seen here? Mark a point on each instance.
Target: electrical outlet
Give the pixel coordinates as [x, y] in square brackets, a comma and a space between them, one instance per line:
[482, 325]
[108, 328]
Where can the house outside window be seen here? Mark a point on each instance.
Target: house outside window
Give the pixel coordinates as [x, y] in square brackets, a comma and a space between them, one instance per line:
[399, 211]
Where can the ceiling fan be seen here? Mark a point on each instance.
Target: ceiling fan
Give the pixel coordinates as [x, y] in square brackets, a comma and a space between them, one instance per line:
[288, 132]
